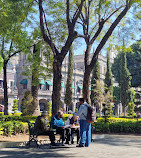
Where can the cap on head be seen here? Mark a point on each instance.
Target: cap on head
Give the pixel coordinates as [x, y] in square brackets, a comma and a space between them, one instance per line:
[44, 113]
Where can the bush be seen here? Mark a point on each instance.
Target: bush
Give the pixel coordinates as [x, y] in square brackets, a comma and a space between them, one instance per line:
[117, 125]
[13, 127]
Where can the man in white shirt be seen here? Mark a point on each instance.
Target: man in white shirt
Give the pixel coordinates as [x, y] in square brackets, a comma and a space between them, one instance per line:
[85, 127]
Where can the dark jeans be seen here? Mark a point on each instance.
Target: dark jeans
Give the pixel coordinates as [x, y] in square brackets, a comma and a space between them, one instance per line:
[50, 134]
[77, 131]
[65, 133]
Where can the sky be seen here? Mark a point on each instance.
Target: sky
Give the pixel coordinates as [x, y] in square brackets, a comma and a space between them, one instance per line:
[82, 45]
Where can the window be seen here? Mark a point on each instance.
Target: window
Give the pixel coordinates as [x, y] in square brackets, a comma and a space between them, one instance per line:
[11, 84]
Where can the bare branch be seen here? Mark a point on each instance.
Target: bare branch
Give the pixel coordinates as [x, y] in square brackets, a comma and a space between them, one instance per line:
[68, 12]
[45, 36]
[16, 52]
[101, 24]
[77, 13]
[107, 35]
[114, 12]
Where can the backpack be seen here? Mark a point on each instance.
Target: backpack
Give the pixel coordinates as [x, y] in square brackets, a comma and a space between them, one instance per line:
[91, 114]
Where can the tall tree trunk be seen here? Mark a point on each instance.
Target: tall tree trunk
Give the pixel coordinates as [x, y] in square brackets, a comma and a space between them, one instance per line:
[35, 102]
[35, 80]
[125, 110]
[86, 81]
[5, 88]
[56, 86]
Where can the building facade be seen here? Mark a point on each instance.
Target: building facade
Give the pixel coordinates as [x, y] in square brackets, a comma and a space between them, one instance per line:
[11, 83]
[46, 86]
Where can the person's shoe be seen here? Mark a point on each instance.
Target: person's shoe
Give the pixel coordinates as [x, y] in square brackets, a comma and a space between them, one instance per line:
[62, 144]
[72, 142]
[67, 142]
[80, 145]
[53, 144]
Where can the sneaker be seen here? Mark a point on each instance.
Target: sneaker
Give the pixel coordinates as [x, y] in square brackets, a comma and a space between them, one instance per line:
[80, 145]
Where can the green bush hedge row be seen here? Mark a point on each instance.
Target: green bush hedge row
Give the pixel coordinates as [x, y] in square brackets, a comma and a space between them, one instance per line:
[17, 118]
[13, 127]
[117, 125]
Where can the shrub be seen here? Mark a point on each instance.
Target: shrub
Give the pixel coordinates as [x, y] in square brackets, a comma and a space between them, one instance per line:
[7, 128]
[117, 125]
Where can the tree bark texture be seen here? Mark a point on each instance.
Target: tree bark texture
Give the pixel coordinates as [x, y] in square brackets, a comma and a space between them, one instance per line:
[34, 90]
[35, 81]
[56, 86]
[5, 88]
[86, 81]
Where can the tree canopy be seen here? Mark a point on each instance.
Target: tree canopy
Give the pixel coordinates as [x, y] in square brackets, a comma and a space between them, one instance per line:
[133, 64]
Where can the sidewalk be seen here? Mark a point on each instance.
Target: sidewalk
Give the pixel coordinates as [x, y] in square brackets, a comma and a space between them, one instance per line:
[111, 146]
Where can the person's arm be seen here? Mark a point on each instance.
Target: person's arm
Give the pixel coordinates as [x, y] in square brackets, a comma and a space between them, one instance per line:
[80, 111]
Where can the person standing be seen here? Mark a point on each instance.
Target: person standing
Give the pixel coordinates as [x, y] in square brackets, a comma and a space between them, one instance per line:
[85, 127]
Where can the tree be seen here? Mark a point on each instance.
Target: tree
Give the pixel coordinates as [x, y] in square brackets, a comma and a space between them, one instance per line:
[108, 78]
[35, 79]
[133, 56]
[131, 107]
[15, 105]
[94, 79]
[58, 40]
[68, 93]
[12, 35]
[125, 81]
[116, 97]
[108, 105]
[39, 66]
[98, 20]
[26, 105]
[98, 95]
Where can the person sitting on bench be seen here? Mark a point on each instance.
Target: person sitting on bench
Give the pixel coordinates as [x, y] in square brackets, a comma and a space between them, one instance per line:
[42, 127]
[58, 124]
[73, 121]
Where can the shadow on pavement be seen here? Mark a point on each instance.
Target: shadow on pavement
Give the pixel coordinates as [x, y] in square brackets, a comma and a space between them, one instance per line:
[123, 141]
[42, 152]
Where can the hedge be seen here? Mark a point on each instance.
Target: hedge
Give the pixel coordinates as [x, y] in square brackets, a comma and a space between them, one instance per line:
[13, 127]
[117, 125]
[15, 124]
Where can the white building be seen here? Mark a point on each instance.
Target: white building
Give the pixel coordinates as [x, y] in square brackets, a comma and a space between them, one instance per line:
[45, 86]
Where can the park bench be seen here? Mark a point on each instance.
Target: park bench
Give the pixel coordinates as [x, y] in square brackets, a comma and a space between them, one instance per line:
[33, 135]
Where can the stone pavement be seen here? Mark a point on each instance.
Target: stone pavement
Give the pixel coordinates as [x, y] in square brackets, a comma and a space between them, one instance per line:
[111, 146]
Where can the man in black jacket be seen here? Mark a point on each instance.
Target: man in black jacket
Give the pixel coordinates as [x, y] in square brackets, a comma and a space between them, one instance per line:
[42, 127]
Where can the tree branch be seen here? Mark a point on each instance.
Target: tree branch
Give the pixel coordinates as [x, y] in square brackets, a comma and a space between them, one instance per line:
[68, 13]
[114, 12]
[77, 13]
[107, 35]
[2, 49]
[21, 50]
[45, 36]
[101, 24]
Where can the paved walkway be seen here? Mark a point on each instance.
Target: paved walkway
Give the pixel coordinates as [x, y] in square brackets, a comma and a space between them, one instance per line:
[112, 146]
